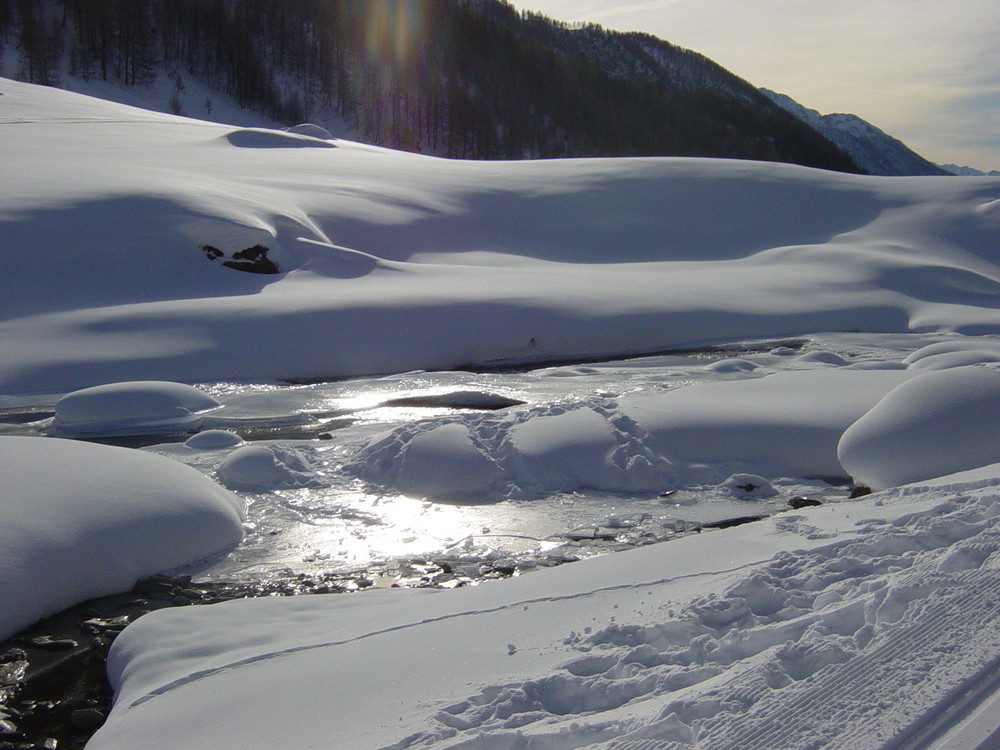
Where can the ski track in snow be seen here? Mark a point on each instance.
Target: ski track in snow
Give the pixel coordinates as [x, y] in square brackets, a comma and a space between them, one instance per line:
[837, 647]
[201, 674]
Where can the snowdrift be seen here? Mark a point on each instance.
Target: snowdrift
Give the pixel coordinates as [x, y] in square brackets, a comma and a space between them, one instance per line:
[79, 520]
[131, 407]
[118, 225]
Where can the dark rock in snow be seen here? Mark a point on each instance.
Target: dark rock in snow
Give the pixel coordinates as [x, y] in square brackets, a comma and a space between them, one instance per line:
[49, 643]
[253, 260]
[727, 523]
[250, 259]
[860, 491]
[803, 502]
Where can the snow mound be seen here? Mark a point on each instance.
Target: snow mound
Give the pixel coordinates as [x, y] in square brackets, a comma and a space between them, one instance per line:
[262, 468]
[786, 424]
[79, 520]
[822, 358]
[732, 365]
[782, 425]
[264, 138]
[445, 463]
[526, 454]
[939, 423]
[211, 440]
[958, 353]
[130, 407]
[311, 130]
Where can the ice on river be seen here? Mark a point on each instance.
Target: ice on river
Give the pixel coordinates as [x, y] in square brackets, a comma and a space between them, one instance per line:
[598, 457]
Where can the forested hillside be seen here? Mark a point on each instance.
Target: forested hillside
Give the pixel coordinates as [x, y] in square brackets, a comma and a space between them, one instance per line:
[462, 78]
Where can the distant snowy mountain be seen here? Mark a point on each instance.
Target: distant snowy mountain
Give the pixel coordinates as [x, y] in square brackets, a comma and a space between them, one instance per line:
[968, 171]
[875, 151]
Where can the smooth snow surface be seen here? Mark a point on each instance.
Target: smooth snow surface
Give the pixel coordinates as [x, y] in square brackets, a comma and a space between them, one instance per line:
[392, 262]
[900, 440]
[138, 406]
[842, 627]
[258, 468]
[79, 520]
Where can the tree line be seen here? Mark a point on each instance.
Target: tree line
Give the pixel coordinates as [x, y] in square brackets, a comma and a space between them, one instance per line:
[462, 78]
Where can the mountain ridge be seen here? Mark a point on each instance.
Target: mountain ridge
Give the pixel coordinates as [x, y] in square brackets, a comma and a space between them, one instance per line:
[872, 149]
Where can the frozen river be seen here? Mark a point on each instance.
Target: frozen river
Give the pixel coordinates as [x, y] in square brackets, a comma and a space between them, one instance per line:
[336, 523]
[331, 521]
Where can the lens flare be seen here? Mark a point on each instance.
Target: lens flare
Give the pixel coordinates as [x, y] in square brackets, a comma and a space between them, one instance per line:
[393, 33]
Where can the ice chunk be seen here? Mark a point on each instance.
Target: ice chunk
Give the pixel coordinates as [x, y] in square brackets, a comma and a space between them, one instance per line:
[138, 406]
[938, 423]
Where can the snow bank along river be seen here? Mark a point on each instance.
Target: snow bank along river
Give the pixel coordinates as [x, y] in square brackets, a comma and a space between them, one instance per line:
[231, 449]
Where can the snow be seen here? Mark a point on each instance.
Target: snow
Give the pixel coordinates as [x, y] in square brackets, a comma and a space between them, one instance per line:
[213, 440]
[257, 468]
[899, 440]
[311, 130]
[756, 632]
[79, 520]
[142, 406]
[392, 262]
[856, 339]
[787, 424]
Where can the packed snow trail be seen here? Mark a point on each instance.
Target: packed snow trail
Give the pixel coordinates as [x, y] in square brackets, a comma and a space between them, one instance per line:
[851, 659]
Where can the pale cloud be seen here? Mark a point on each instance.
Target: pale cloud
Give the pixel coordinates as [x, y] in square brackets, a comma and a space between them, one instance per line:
[925, 71]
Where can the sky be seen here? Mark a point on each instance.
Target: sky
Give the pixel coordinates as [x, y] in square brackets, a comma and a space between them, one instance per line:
[925, 71]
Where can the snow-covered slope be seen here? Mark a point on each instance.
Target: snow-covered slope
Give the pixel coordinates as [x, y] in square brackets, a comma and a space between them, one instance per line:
[872, 149]
[116, 224]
